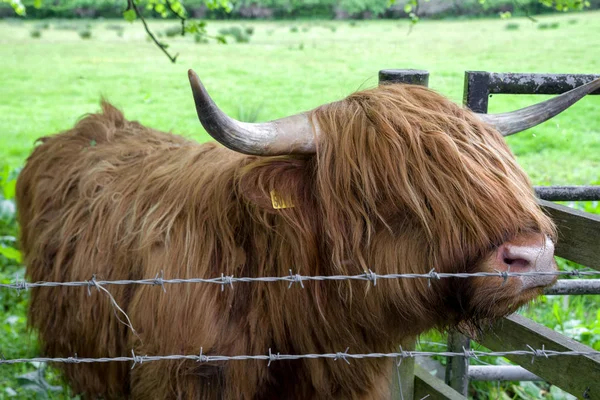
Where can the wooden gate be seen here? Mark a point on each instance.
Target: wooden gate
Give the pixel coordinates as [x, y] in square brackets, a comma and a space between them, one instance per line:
[579, 241]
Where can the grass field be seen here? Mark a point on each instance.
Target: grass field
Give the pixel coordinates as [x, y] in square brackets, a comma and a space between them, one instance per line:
[47, 83]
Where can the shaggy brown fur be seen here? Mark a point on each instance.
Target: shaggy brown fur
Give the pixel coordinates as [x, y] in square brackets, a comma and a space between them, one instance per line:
[403, 181]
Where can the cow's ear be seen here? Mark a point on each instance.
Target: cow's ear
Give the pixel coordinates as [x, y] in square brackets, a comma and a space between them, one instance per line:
[276, 184]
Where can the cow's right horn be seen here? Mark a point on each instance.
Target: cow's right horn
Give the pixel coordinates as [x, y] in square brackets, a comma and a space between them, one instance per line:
[528, 117]
[291, 135]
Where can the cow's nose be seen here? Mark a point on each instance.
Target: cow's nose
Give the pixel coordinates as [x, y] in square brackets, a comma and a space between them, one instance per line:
[529, 253]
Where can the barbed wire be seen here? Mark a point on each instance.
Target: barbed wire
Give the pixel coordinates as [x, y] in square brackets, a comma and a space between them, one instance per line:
[229, 280]
[271, 356]
[225, 280]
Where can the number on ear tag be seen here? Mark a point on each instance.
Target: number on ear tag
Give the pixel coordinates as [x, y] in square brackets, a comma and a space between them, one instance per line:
[279, 202]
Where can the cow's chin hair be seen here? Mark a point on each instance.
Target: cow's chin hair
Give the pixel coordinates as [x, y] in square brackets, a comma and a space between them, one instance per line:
[490, 304]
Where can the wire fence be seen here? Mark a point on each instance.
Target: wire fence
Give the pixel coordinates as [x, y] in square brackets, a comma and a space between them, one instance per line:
[271, 357]
[229, 280]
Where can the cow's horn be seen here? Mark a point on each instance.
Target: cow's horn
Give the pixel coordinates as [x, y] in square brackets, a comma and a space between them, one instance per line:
[528, 117]
[290, 135]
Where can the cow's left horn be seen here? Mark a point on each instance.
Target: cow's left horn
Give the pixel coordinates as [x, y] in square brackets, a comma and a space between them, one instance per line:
[290, 135]
[528, 117]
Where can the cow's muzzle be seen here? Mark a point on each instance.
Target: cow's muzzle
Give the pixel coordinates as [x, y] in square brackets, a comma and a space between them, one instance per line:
[531, 253]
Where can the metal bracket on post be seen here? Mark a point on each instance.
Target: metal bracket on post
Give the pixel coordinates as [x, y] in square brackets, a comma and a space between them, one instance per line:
[404, 375]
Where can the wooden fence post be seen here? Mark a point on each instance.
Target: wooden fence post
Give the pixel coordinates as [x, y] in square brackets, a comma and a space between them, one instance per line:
[457, 368]
[403, 376]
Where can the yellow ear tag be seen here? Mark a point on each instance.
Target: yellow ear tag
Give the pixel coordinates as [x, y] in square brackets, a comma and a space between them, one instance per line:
[279, 202]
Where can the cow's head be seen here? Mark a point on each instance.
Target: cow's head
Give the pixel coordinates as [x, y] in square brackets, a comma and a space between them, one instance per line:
[405, 182]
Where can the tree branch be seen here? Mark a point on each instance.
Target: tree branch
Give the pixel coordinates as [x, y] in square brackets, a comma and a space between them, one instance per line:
[527, 15]
[131, 5]
[415, 14]
[181, 17]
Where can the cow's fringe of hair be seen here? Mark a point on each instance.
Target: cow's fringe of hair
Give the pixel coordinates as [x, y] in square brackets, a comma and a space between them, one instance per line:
[402, 179]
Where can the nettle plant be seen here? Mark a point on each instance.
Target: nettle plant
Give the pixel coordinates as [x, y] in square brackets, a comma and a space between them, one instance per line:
[8, 224]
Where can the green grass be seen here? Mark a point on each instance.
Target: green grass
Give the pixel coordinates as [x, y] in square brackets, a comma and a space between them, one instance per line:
[47, 83]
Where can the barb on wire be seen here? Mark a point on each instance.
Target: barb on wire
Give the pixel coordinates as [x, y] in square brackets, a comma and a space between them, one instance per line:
[271, 357]
[224, 280]
[203, 358]
[20, 284]
[295, 279]
[372, 276]
[537, 352]
[343, 356]
[432, 275]
[159, 280]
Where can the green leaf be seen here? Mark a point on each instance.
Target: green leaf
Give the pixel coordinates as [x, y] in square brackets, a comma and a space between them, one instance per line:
[9, 189]
[556, 313]
[177, 7]
[17, 6]
[530, 389]
[558, 394]
[8, 185]
[5, 173]
[11, 253]
[37, 3]
[129, 15]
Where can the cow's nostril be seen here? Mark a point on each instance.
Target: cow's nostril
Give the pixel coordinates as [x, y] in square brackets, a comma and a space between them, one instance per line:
[516, 262]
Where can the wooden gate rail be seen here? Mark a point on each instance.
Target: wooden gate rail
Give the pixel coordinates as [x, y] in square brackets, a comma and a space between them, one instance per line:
[578, 234]
[429, 387]
[577, 375]
[568, 193]
[479, 85]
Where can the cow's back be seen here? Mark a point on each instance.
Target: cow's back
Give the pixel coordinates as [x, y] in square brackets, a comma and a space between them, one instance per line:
[95, 201]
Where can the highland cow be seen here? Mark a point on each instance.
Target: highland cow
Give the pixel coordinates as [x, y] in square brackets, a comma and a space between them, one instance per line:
[395, 179]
